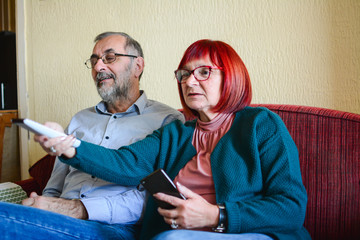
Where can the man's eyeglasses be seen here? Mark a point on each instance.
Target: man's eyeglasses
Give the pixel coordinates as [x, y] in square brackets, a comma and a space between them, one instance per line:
[106, 58]
[201, 73]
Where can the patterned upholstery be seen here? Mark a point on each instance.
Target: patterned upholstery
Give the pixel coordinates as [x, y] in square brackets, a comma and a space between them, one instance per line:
[329, 150]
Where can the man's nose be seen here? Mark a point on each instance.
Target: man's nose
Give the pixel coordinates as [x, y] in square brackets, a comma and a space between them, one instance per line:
[99, 66]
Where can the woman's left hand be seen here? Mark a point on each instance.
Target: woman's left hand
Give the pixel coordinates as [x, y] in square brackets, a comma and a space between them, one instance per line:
[194, 212]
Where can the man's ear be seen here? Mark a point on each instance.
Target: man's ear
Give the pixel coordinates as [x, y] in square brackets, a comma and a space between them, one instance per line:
[139, 66]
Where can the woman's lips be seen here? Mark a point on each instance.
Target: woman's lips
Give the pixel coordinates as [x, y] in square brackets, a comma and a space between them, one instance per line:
[194, 94]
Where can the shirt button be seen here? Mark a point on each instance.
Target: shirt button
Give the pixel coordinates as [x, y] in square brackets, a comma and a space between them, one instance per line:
[107, 137]
[115, 117]
[92, 176]
[82, 195]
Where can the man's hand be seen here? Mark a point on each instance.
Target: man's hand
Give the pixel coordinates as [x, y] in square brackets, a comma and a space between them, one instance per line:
[73, 208]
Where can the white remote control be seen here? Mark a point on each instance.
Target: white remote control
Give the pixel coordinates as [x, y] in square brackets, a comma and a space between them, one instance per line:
[40, 129]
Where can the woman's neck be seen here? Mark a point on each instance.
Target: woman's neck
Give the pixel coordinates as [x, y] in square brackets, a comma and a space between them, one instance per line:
[207, 116]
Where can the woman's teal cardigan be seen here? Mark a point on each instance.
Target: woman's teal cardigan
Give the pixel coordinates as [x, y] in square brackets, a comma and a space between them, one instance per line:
[255, 168]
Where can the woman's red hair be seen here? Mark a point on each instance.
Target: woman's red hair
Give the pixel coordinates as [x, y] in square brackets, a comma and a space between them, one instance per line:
[236, 90]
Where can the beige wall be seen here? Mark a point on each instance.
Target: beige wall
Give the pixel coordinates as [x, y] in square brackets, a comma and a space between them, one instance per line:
[304, 52]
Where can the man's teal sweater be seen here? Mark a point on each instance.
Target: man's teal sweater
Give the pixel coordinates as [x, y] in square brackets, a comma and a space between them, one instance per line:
[255, 168]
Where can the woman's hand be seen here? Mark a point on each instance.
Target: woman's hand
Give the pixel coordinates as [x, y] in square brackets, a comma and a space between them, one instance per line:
[57, 146]
[194, 212]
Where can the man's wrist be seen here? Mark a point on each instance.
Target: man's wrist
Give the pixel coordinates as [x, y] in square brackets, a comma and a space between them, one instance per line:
[81, 212]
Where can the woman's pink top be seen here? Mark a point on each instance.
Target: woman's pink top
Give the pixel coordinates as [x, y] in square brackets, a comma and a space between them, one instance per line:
[197, 175]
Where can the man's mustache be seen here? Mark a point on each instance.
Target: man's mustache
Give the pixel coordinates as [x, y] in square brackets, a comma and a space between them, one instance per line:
[102, 75]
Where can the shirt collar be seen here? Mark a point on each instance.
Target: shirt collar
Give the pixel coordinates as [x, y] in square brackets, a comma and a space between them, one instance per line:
[137, 107]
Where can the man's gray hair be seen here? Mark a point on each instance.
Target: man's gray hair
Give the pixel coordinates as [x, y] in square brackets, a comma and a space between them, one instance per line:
[130, 44]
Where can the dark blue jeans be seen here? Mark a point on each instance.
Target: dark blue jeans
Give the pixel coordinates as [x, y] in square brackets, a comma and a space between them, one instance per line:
[22, 222]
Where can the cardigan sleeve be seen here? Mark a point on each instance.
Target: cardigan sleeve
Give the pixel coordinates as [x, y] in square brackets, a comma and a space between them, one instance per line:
[278, 201]
[125, 166]
[129, 164]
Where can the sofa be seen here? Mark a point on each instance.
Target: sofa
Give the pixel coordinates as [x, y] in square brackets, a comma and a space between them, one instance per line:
[329, 149]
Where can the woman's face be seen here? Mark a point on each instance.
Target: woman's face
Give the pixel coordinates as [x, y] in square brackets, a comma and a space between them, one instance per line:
[202, 96]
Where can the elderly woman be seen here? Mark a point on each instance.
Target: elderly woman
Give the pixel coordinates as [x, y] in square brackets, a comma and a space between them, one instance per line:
[237, 165]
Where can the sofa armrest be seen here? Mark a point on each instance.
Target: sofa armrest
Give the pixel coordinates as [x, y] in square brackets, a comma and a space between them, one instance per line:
[30, 185]
[40, 173]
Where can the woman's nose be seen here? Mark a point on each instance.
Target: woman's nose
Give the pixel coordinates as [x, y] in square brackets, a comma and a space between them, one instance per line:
[191, 80]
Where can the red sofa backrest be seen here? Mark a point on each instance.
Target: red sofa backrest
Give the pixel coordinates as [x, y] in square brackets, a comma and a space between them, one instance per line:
[329, 149]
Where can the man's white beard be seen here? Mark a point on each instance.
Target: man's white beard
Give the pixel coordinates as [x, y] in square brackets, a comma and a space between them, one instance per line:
[115, 92]
[119, 90]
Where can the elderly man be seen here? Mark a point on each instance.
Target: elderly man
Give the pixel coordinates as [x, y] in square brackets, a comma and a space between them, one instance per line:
[124, 116]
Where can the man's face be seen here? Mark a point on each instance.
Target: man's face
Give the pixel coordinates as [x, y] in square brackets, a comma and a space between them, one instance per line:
[113, 80]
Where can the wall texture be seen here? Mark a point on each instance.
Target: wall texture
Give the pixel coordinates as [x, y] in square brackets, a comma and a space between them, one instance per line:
[304, 52]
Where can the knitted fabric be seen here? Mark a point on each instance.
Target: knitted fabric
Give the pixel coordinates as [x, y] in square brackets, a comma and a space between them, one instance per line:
[255, 169]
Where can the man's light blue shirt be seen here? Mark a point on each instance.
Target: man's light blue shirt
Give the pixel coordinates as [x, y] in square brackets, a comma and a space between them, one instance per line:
[104, 201]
